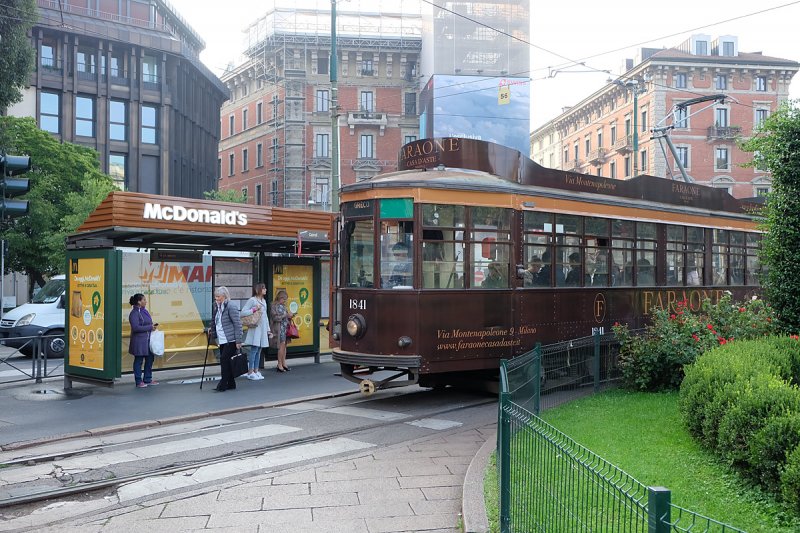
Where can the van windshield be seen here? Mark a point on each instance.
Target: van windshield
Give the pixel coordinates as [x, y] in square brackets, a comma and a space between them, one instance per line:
[50, 293]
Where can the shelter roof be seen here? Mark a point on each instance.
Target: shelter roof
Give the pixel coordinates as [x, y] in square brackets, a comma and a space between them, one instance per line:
[127, 219]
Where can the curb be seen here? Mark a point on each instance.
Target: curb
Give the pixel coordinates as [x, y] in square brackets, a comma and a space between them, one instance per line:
[473, 506]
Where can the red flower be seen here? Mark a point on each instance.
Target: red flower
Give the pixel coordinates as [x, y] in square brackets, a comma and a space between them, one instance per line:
[616, 324]
[742, 309]
[672, 317]
[721, 340]
[709, 326]
[695, 337]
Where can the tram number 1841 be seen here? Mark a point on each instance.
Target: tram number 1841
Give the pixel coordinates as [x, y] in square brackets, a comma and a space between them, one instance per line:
[358, 304]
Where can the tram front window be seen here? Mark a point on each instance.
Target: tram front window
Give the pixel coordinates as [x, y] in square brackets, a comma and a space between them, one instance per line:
[397, 254]
[359, 235]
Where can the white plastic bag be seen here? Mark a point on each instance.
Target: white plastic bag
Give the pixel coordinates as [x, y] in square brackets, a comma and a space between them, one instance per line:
[157, 342]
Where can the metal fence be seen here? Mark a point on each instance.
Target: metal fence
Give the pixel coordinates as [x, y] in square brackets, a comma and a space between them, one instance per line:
[37, 348]
[550, 483]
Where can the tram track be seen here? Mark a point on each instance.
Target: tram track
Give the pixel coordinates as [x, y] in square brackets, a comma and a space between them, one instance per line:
[84, 488]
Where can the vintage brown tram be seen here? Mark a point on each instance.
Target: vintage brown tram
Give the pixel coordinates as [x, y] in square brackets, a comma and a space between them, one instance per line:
[472, 253]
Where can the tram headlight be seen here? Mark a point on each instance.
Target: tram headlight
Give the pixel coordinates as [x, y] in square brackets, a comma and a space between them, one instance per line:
[356, 326]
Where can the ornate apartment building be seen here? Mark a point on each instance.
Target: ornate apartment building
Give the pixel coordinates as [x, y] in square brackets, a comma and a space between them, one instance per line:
[276, 127]
[611, 133]
[125, 79]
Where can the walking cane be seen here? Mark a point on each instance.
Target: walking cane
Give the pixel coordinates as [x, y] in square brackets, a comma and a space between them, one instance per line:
[203, 376]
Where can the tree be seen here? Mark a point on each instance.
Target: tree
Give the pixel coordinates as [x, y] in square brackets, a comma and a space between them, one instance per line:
[16, 53]
[776, 147]
[226, 195]
[66, 186]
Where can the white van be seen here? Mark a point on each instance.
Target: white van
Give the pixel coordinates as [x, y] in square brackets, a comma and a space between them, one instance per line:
[44, 313]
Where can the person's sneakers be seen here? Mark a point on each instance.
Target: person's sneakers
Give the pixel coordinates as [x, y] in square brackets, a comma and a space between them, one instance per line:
[141, 385]
[257, 376]
[252, 377]
[151, 383]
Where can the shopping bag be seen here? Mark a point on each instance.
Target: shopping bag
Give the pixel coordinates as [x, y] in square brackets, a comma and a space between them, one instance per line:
[157, 342]
[291, 331]
[239, 364]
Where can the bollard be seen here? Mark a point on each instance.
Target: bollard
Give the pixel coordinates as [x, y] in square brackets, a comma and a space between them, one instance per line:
[37, 355]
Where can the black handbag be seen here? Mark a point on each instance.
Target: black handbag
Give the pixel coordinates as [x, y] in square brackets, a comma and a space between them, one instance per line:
[239, 364]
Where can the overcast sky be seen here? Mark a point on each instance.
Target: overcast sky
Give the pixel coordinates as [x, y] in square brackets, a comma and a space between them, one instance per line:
[600, 34]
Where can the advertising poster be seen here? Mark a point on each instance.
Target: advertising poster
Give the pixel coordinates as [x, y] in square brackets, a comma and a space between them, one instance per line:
[86, 318]
[178, 298]
[297, 281]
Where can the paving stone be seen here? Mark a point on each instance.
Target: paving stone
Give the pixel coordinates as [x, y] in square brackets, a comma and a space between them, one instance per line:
[458, 470]
[285, 516]
[363, 511]
[303, 476]
[264, 491]
[412, 523]
[194, 507]
[156, 525]
[308, 501]
[442, 493]
[423, 469]
[384, 470]
[430, 481]
[388, 497]
[450, 460]
[357, 485]
[452, 507]
[357, 525]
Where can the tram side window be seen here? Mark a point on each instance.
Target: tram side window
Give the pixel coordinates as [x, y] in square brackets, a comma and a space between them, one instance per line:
[676, 242]
[622, 252]
[598, 266]
[359, 235]
[490, 247]
[538, 229]
[397, 254]
[695, 254]
[569, 262]
[752, 267]
[442, 246]
[646, 244]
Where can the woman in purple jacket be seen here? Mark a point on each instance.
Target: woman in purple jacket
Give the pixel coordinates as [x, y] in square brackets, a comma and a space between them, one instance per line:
[141, 326]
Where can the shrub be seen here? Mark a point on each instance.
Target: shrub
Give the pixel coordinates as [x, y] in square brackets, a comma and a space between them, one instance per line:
[770, 447]
[655, 360]
[790, 480]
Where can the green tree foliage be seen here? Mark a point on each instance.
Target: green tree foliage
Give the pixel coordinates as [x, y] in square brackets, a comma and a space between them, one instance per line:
[226, 195]
[66, 186]
[16, 53]
[777, 148]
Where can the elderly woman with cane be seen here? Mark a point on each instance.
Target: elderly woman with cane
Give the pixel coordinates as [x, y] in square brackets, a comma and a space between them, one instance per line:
[227, 325]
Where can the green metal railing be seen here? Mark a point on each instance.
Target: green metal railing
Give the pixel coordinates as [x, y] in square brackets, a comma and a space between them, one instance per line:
[550, 483]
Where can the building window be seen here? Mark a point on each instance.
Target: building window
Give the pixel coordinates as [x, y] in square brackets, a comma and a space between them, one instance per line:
[721, 161]
[117, 120]
[244, 119]
[566, 155]
[230, 125]
[274, 193]
[219, 168]
[725, 184]
[587, 144]
[727, 48]
[231, 164]
[321, 145]
[117, 65]
[761, 116]
[244, 194]
[682, 117]
[117, 169]
[245, 89]
[643, 161]
[367, 101]
[612, 170]
[680, 80]
[644, 120]
[323, 100]
[701, 48]
[259, 194]
[149, 69]
[245, 160]
[87, 62]
[367, 147]
[600, 138]
[274, 106]
[84, 116]
[49, 107]
[259, 155]
[410, 139]
[48, 57]
[366, 68]
[722, 82]
[627, 126]
[613, 134]
[683, 155]
[323, 62]
[575, 151]
[627, 166]
[721, 117]
[410, 104]
[761, 83]
[274, 157]
[149, 124]
[259, 112]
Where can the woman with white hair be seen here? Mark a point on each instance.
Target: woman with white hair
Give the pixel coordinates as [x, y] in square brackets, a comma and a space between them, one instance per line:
[228, 326]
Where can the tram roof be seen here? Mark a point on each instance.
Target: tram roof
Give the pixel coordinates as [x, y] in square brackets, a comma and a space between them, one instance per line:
[126, 219]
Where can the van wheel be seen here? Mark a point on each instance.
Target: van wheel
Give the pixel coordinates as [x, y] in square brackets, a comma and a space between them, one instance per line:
[54, 344]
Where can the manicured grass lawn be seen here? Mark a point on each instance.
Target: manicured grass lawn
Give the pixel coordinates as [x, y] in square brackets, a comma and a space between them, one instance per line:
[642, 434]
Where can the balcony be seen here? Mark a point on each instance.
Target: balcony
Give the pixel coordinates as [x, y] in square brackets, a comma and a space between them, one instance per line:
[624, 145]
[366, 118]
[724, 132]
[597, 156]
[573, 165]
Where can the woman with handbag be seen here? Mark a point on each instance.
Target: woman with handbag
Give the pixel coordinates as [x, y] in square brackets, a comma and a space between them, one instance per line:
[255, 316]
[280, 321]
[139, 347]
[228, 327]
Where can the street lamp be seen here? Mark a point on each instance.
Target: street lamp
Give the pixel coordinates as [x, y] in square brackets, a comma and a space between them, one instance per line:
[633, 85]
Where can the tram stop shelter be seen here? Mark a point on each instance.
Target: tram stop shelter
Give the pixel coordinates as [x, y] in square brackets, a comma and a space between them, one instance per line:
[176, 251]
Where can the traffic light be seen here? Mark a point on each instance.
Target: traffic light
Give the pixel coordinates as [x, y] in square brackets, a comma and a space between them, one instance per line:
[14, 165]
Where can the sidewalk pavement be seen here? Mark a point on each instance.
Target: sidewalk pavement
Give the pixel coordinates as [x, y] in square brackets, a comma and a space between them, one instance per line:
[414, 486]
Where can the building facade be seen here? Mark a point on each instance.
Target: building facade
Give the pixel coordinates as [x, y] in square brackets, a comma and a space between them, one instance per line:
[617, 131]
[276, 127]
[125, 79]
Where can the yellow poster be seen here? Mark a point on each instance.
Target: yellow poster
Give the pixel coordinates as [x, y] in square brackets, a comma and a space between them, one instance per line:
[297, 281]
[86, 318]
[504, 95]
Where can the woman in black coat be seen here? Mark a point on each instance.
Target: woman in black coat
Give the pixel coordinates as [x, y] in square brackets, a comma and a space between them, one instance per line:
[227, 325]
[139, 348]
